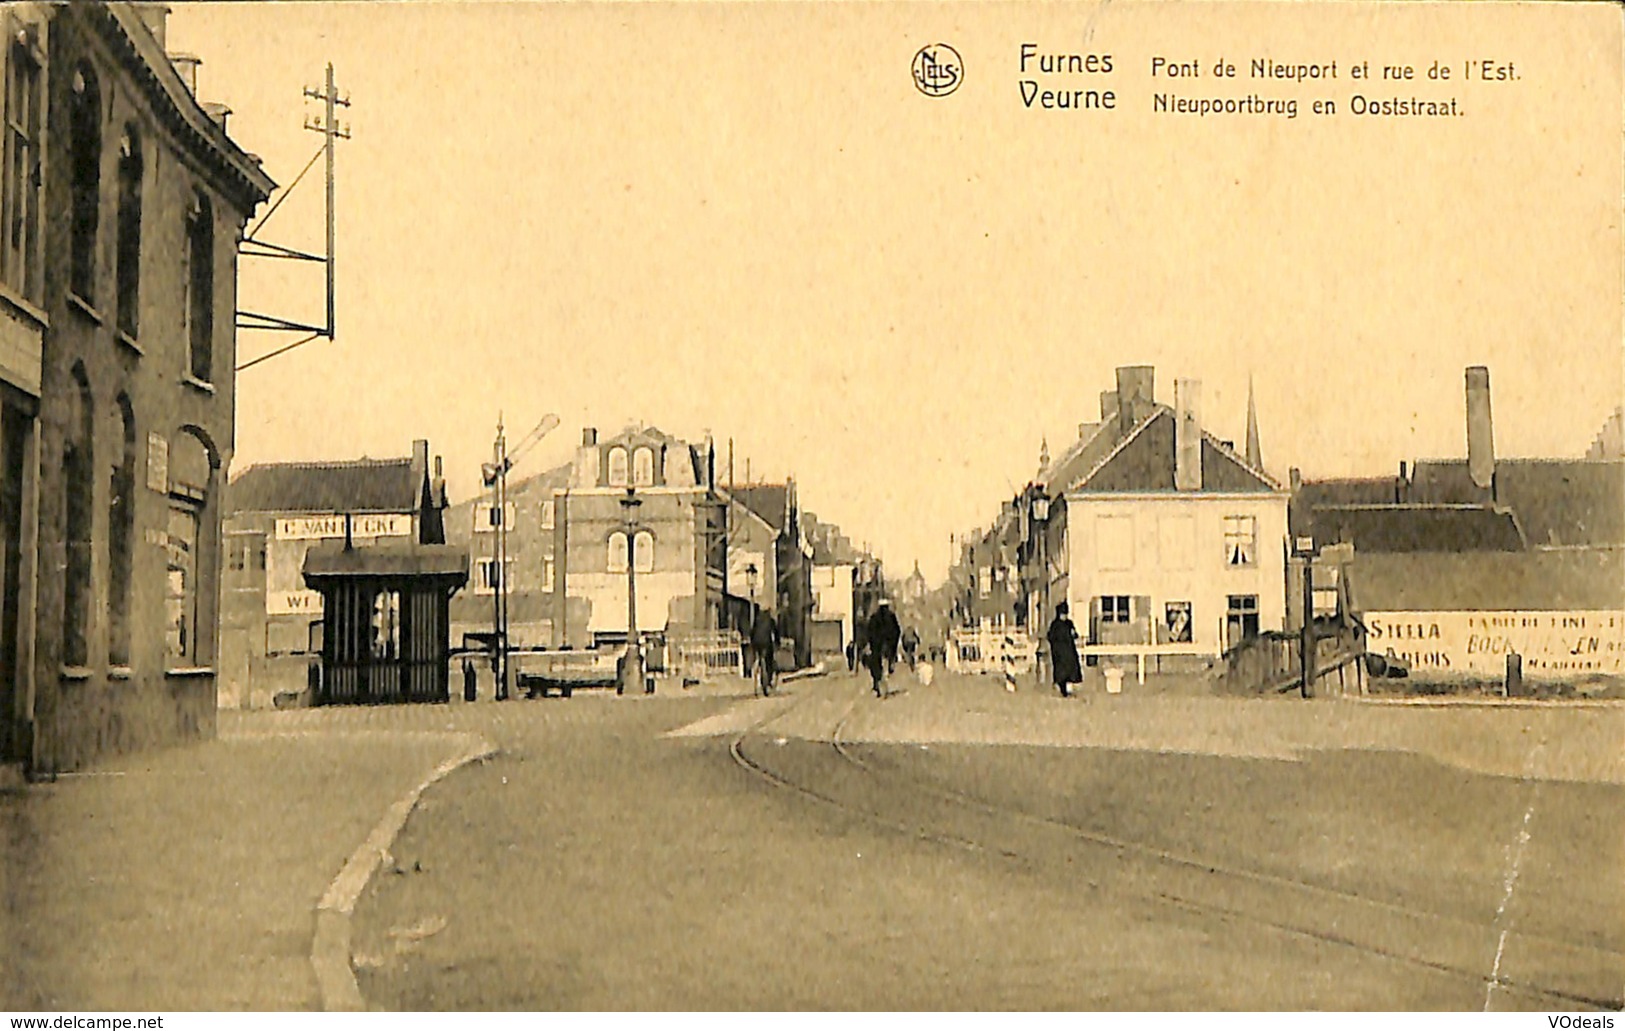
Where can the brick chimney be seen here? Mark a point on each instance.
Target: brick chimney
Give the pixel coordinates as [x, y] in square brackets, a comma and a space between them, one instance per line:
[1108, 404]
[155, 16]
[1135, 395]
[1480, 428]
[1187, 434]
[187, 65]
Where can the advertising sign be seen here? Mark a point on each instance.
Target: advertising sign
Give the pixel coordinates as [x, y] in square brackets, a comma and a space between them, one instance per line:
[293, 603]
[321, 527]
[1462, 645]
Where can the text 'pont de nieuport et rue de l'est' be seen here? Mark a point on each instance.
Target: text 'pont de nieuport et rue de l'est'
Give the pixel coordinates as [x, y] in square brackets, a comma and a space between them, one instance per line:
[1279, 86]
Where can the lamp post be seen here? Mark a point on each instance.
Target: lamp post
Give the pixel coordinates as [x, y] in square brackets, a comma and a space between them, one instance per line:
[1040, 520]
[634, 641]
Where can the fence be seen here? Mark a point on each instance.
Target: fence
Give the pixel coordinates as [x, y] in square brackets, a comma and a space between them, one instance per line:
[991, 650]
[705, 654]
[1141, 652]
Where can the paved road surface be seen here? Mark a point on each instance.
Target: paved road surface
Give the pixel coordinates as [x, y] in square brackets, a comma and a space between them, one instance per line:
[602, 862]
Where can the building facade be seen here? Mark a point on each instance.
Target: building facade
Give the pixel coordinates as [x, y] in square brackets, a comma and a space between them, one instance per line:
[276, 513]
[531, 519]
[123, 201]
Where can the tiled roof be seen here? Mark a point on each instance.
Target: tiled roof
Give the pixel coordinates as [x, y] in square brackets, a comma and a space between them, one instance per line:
[362, 485]
[770, 501]
[1415, 528]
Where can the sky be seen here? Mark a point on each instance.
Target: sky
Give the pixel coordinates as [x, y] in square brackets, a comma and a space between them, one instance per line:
[746, 219]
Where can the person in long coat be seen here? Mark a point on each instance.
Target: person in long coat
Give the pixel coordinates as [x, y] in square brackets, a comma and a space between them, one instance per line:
[883, 635]
[1063, 651]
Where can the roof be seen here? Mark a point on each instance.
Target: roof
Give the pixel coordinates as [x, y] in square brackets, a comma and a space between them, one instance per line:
[1419, 528]
[388, 558]
[1143, 461]
[360, 485]
[122, 26]
[1567, 580]
[769, 501]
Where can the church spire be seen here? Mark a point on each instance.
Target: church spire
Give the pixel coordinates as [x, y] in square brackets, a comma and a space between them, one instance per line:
[1255, 457]
[1043, 454]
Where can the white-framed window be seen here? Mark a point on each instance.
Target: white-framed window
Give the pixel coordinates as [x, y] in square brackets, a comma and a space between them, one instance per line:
[617, 466]
[548, 514]
[643, 467]
[1114, 542]
[20, 180]
[487, 519]
[643, 552]
[1241, 617]
[1240, 540]
[549, 575]
[1114, 608]
[616, 554]
[984, 578]
[487, 575]
[1177, 618]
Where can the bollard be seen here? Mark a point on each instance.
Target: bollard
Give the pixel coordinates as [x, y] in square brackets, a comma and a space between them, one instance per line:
[1513, 684]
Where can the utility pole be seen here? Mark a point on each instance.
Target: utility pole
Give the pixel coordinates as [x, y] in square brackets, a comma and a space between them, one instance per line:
[634, 641]
[499, 571]
[330, 129]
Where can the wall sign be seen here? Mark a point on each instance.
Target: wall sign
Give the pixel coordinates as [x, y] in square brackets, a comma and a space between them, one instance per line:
[1459, 645]
[293, 603]
[322, 527]
[158, 463]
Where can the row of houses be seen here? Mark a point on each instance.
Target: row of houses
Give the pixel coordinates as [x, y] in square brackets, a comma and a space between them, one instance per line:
[122, 199]
[1168, 540]
[705, 555]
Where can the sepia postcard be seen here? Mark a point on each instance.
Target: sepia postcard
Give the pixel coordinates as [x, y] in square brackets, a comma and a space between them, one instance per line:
[795, 507]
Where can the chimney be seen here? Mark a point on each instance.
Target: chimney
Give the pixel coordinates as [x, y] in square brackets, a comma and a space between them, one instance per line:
[1108, 404]
[155, 16]
[420, 455]
[589, 436]
[1187, 434]
[1135, 384]
[217, 112]
[1480, 430]
[1084, 428]
[187, 65]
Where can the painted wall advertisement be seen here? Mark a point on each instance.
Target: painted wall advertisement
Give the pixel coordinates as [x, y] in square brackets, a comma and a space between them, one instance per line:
[1458, 645]
[322, 527]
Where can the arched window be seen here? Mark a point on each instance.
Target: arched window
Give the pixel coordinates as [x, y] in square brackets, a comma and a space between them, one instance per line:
[130, 167]
[643, 467]
[617, 466]
[617, 552]
[121, 537]
[85, 157]
[200, 287]
[78, 485]
[643, 552]
[191, 470]
[20, 182]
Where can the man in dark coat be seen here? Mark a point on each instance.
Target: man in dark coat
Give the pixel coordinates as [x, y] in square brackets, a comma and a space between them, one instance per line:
[1063, 651]
[883, 635]
[764, 640]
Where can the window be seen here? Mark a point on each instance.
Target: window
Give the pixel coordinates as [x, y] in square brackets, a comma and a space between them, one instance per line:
[121, 538]
[238, 557]
[130, 167]
[1240, 540]
[549, 575]
[200, 288]
[617, 466]
[643, 551]
[984, 578]
[78, 486]
[488, 518]
[1178, 620]
[1114, 542]
[487, 578]
[85, 159]
[548, 515]
[1114, 608]
[386, 625]
[643, 467]
[1241, 617]
[617, 552]
[180, 602]
[20, 183]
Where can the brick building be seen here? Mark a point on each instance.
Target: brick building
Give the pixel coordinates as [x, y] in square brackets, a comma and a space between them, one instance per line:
[123, 201]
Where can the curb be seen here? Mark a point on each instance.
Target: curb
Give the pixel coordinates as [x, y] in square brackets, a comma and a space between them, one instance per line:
[330, 949]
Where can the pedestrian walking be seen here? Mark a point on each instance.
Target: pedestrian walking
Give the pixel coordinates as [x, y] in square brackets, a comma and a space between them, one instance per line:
[911, 646]
[764, 641]
[883, 635]
[1063, 651]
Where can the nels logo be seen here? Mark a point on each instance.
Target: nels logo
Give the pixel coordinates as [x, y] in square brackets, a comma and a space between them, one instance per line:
[938, 70]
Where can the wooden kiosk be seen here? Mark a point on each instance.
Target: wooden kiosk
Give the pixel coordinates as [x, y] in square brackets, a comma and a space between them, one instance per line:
[386, 627]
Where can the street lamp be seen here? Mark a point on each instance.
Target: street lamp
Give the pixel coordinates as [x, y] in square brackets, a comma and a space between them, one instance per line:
[634, 643]
[1040, 520]
[495, 476]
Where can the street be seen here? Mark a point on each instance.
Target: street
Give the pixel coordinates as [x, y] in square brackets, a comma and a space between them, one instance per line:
[823, 850]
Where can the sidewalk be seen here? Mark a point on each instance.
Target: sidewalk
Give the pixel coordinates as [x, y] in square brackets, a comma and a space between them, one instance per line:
[188, 879]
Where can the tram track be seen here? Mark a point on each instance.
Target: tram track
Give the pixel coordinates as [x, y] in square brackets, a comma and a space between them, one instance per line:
[1554, 973]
